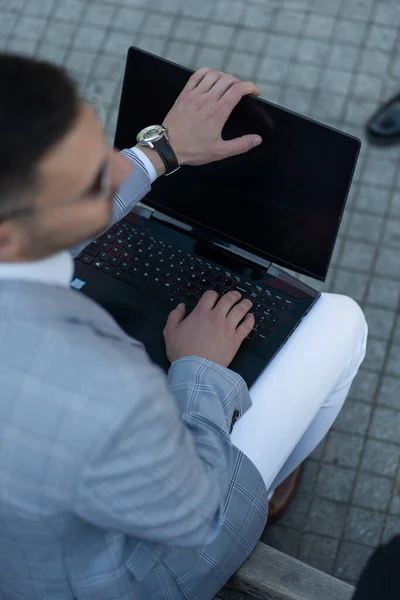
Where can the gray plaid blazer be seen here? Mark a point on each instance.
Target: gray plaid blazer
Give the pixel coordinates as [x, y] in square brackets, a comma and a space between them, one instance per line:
[116, 482]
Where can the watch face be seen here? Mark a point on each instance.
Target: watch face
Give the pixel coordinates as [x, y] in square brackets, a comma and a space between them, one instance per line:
[150, 134]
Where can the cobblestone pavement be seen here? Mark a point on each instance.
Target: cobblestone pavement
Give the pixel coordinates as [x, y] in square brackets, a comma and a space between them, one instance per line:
[334, 60]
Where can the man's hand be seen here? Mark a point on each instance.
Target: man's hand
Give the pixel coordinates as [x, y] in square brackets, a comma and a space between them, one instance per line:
[214, 330]
[196, 120]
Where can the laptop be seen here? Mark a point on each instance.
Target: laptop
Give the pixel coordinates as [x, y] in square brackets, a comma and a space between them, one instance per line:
[235, 224]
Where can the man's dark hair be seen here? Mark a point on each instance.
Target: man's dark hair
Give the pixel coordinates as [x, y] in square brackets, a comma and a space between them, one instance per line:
[38, 105]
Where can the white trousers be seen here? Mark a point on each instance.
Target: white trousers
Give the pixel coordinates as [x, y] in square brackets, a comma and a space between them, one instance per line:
[299, 395]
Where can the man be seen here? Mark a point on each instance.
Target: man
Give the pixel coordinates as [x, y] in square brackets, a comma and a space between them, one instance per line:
[116, 481]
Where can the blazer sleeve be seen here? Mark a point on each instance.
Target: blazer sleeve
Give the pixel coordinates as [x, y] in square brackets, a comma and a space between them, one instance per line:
[162, 468]
[134, 189]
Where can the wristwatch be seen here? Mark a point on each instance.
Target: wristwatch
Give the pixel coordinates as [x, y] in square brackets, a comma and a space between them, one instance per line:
[156, 137]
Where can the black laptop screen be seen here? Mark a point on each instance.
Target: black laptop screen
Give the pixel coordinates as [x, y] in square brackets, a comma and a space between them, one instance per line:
[283, 200]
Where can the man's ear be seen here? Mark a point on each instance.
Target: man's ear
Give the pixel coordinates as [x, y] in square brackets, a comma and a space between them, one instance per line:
[10, 241]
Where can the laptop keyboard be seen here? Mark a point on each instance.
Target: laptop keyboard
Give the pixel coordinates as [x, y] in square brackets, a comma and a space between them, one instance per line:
[133, 256]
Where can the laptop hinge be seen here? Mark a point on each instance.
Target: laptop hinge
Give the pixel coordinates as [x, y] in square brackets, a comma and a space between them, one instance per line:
[149, 212]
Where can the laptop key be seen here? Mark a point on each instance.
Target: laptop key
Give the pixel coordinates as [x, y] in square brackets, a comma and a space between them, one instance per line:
[109, 270]
[98, 264]
[93, 251]
[87, 259]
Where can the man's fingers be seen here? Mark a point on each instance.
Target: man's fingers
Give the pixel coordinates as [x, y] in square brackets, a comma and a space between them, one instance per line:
[224, 83]
[208, 82]
[196, 78]
[244, 328]
[239, 311]
[239, 145]
[228, 301]
[235, 93]
[208, 299]
[176, 317]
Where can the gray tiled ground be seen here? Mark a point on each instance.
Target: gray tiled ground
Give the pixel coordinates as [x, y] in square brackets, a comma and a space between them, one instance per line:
[334, 60]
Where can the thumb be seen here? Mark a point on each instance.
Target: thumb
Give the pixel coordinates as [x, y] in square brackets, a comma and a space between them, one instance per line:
[241, 145]
[176, 316]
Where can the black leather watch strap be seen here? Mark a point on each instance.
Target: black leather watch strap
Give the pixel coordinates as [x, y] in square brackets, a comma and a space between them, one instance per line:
[167, 154]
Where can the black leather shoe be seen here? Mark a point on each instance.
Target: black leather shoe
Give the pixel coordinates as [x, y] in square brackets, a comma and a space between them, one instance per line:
[384, 126]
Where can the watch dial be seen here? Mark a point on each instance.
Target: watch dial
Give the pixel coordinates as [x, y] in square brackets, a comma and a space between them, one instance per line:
[150, 133]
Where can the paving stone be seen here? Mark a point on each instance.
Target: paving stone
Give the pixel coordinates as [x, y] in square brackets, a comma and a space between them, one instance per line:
[250, 41]
[381, 37]
[380, 322]
[94, 15]
[358, 9]
[220, 35]
[304, 76]
[318, 26]
[343, 449]
[388, 263]
[59, 33]
[327, 106]
[391, 236]
[326, 518]
[242, 65]
[309, 476]
[289, 22]
[52, 53]
[257, 17]
[352, 559]
[89, 37]
[109, 68]
[335, 483]
[350, 32]
[357, 255]
[280, 46]
[385, 424]
[371, 198]
[384, 291]
[353, 418]
[189, 29]
[372, 492]
[393, 365]
[342, 56]
[118, 42]
[282, 538]
[396, 337]
[183, 53]
[69, 10]
[21, 46]
[157, 46]
[365, 227]
[201, 9]
[127, 19]
[40, 9]
[392, 528]
[351, 284]
[368, 86]
[364, 526]
[157, 25]
[295, 516]
[387, 13]
[389, 393]
[29, 28]
[394, 507]
[380, 458]
[208, 57]
[364, 386]
[336, 80]
[318, 551]
[394, 208]
[310, 51]
[298, 100]
[375, 62]
[325, 7]
[228, 12]
[375, 356]
[273, 70]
